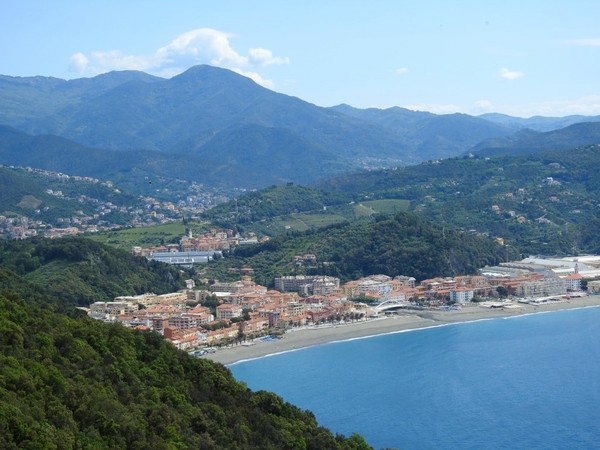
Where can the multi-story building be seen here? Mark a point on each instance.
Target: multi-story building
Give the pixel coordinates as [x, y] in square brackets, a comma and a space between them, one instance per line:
[113, 308]
[573, 282]
[294, 309]
[296, 283]
[461, 295]
[594, 286]
[406, 281]
[228, 311]
[233, 288]
[201, 314]
[324, 285]
[545, 287]
[144, 299]
[197, 295]
[554, 286]
[530, 289]
[183, 323]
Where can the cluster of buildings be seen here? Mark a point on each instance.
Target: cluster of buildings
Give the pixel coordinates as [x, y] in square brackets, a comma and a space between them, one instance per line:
[195, 250]
[530, 278]
[211, 241]
[244, 309]
[98, 214]
[308, 284]
[23, 227]
[544, 276]
[199, 199]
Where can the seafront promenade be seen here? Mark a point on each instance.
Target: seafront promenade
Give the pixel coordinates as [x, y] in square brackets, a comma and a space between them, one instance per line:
[406, 320]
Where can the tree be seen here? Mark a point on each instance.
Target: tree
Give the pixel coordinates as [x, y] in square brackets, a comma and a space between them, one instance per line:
[502, 291]
[240, 335]
[246, 314]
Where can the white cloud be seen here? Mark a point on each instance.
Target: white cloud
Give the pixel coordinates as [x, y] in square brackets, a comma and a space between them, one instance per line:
[402, 70]
[115, 60]
[510, 74]
[200, 46]
[594, 42]
[587, 106]
[269, 84]
[264, 57]
[78, 63]
[434, 108]
[203, 45]
[481, 107]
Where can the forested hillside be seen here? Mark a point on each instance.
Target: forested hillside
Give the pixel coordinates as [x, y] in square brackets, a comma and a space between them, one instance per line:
[538, 123]
[433, 136]
[576, 135]
[20, 195]
[272, 202]
[26, 193]
[77, 383]
[542, 203]
[133, 169]
[401, 245]
[219, 128]
[79, 271]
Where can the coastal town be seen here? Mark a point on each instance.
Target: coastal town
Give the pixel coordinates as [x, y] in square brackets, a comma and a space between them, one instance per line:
[241, 312]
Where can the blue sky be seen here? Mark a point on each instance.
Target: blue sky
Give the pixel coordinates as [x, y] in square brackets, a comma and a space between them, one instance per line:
[521, 58]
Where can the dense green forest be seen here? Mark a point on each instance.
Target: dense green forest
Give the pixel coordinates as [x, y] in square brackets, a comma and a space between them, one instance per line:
[274, 201]
[400, 245]
[80, 271]
[74, 383]
[542, 203]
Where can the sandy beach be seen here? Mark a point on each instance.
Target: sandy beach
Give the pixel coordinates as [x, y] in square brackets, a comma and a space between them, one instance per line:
[407, 320]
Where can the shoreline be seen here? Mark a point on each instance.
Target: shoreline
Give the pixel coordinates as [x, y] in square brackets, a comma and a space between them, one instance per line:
[407, 321]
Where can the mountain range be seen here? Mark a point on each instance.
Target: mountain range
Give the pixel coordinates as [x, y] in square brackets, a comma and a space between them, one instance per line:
[217, 127]
[538, 123]
[528, 141]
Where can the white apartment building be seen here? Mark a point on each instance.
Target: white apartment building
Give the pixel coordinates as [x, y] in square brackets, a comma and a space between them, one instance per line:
[461, 295]
[228, 311]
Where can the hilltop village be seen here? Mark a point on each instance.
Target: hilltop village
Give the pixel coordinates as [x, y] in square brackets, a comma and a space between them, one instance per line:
[93, 214]
[238, 312]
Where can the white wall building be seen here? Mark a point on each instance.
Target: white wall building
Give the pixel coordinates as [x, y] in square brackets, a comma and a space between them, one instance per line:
[461, 295]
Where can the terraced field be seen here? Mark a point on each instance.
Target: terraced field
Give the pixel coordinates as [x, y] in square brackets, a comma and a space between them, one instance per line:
[391, 206]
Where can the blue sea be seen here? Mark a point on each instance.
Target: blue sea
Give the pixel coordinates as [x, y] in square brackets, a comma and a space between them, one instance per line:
[527, 382]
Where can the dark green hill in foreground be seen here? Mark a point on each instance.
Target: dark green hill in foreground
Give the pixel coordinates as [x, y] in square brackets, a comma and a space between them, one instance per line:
[75, 383]
[79, 271]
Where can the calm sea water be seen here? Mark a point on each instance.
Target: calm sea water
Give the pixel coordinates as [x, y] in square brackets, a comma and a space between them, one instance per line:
[528, 382]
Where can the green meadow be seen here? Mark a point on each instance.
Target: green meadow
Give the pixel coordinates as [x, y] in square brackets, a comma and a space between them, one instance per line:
[143, 237]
